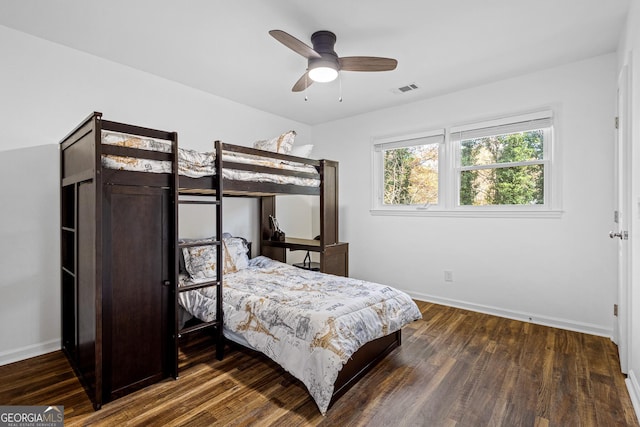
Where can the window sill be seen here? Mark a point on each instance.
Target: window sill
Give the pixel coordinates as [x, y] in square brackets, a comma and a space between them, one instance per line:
[471, 213]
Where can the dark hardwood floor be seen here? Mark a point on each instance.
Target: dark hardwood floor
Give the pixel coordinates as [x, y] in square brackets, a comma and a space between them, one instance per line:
[455, 368]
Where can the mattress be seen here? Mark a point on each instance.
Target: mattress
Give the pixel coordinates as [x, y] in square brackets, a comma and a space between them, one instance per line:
[309, 322]
[196, 164]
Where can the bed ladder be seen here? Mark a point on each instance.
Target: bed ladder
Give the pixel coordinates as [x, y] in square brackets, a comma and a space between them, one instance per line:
[204, 198]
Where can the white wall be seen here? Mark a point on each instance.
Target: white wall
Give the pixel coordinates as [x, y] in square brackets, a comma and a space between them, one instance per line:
[29, 252]
[555, 271]
[47, 89]
[629, 54]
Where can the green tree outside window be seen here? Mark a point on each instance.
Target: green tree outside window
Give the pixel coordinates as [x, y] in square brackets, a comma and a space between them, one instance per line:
[411, 175]
[498, 185]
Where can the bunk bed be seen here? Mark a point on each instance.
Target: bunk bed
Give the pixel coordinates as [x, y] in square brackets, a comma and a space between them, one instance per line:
[119, 180]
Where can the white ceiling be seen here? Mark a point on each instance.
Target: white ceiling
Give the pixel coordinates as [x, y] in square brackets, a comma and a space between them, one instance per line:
[223, 47]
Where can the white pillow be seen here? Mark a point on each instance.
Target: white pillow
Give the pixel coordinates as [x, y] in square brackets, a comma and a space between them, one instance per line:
[302, 150]
[281, 144]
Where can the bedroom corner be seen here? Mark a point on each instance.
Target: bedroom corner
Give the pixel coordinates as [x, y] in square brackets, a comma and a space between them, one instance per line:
[29, 253]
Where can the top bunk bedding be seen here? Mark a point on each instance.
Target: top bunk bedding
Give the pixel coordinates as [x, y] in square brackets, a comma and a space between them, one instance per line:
[239, 163]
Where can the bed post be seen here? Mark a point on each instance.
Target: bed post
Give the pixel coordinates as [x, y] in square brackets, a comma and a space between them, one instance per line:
[219, 180]
[328, 202]
[173, 333]
[334, 256]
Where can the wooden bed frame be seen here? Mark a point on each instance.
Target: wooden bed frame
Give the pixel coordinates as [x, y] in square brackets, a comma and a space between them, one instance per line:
[115, 316]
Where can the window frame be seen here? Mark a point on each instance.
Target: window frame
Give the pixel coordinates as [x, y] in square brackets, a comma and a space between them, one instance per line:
[450, 168]
[401, 141]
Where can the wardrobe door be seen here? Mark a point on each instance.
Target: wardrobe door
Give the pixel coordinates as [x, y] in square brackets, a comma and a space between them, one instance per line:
[136, 264]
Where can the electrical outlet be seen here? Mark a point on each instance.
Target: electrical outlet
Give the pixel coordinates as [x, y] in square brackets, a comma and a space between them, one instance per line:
[448, 276]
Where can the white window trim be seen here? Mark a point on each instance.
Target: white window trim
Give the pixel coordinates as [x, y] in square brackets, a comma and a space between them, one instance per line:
[378, 167]
[448, 172]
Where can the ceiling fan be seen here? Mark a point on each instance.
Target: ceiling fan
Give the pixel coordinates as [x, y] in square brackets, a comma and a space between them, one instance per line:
[324, 63]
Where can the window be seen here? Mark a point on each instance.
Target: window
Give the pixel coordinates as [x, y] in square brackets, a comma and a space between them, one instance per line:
[408, 169]
[501, 166]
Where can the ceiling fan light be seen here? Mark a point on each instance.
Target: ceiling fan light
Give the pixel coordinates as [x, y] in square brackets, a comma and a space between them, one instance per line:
[323, 74]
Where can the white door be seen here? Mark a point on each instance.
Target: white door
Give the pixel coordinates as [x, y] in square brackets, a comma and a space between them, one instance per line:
[622, 220]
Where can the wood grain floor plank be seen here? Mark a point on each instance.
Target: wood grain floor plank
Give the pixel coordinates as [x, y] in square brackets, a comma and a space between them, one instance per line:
[455, 368]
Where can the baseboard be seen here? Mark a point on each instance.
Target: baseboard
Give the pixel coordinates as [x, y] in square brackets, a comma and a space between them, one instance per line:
[569, 325]
[26, 352]
[634, 392]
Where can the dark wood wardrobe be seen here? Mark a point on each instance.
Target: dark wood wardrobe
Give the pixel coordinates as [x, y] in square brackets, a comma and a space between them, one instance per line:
[118, 264]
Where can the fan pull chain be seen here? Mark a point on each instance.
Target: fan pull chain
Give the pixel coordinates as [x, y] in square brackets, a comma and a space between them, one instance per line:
[340, 87]
[306, 86]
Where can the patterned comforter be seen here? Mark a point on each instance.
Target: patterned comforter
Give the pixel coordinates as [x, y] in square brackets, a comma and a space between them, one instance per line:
[309, 322]
[197, 164]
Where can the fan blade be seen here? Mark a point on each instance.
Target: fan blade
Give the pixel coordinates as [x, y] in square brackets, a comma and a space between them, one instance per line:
[367, 63]
[302, 83]
[294, 44]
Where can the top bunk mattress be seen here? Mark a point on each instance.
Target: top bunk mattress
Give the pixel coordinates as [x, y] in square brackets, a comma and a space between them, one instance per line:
[195, 164]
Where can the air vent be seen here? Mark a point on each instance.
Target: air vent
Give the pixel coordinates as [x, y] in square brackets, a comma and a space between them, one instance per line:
[405, 89]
